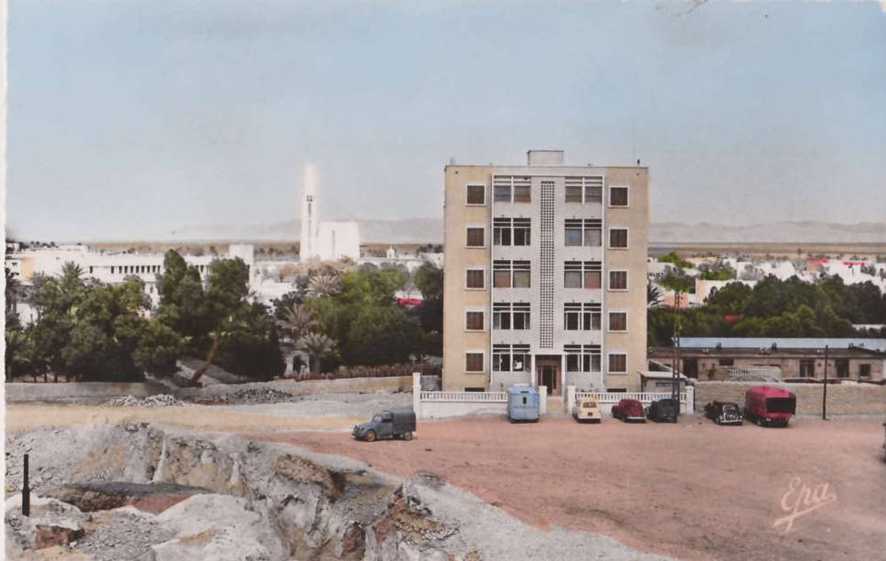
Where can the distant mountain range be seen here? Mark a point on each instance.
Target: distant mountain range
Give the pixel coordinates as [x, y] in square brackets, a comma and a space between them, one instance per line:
[418, 230]
[776, 232]
[430, 230]
[422, 230]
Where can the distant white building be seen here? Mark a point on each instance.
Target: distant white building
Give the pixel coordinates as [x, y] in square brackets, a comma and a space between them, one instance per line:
[326, 241]
[111, 268]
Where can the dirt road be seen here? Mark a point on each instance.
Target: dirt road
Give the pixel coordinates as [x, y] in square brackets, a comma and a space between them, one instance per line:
[694, 491]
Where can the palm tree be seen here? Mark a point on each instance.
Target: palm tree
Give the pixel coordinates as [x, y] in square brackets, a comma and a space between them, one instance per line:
[653, 296]
[323, 285]
[318, 347]
[297, 321]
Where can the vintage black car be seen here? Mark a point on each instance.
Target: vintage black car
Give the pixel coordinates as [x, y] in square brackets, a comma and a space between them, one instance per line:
[723, 412]
[662, 411]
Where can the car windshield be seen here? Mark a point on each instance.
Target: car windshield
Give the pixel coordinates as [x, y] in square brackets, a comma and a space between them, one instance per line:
[376, 419]
[730, 408]
[780, 405]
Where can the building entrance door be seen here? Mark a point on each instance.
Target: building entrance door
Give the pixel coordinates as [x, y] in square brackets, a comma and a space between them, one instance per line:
[549, 375]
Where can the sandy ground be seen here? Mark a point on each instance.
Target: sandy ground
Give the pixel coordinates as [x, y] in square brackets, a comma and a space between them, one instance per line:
[694, 491]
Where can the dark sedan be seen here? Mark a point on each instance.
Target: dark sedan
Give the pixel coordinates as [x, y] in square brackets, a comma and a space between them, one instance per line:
[723, 412]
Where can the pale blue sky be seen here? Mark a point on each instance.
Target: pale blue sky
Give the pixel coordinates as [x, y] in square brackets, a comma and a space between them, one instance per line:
[130, 119]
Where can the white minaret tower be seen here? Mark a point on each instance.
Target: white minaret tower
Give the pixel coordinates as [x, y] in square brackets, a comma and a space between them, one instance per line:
[308, 243]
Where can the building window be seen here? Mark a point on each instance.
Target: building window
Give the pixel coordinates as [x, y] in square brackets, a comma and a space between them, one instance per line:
[726, 361]
[501, 231]
[618, 196]
[574, 233]
[522, 231]
[572, 275]
[474, 362]
[475, 237]
[864, 370]
[521, 316]
[586, 233]
[475, 279]
[509, 189]
[618, 321]
[618, 280]
[842, 365]
[511, 274]
[581, 317]
[476, 195]
[522, 274]
[474, 321]
[510, 358]
[618, 363]
[584, 189]
[522, 193]
[506, 316]
[582, 274]
[618, 238]
[507, 231]
[807, 367]
[582, 358]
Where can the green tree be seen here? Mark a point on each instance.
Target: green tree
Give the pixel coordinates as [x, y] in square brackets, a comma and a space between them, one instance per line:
[319, 349]
[158, 349]
[674, 259]
[217, 321]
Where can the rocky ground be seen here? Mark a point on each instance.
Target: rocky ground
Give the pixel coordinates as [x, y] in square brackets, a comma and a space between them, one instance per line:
[224, 497]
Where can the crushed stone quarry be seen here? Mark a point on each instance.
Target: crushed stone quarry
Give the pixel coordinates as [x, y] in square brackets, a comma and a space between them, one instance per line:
[134, 490]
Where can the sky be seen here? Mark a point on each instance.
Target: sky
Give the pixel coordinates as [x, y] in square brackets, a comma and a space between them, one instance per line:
[132, 119]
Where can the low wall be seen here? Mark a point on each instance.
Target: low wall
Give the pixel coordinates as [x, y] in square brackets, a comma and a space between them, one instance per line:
[305, 387]
[18, 392]
[843, 399]
[440, 405]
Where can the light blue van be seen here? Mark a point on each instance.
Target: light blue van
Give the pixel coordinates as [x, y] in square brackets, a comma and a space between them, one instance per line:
[522, 403]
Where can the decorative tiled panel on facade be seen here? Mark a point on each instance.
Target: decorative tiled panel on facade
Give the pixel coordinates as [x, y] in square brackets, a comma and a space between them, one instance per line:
[546, 266]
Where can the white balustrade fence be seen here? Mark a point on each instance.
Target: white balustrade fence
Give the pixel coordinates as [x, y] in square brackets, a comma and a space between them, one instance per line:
[465, 397]
[429, 405]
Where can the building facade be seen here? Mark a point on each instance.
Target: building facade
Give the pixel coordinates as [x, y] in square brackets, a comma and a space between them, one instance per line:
[545, 275]
[793, 359]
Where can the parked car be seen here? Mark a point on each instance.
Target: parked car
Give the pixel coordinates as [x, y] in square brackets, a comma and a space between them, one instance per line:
[769, 406]
[629, 410]
[723, 412]
[663, 411]
[391, 423]
[587, 410]
[523, 403]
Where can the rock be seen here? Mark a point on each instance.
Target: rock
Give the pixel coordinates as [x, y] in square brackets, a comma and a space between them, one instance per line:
[218, 527]
[49, 535]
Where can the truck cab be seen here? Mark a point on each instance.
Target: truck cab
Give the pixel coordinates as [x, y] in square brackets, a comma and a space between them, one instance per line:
[388, 424]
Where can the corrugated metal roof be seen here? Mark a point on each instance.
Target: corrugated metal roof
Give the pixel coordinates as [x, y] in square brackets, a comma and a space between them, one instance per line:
[780, 342]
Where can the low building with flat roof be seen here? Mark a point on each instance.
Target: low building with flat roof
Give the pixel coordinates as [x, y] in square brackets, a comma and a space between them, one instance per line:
[793, 359]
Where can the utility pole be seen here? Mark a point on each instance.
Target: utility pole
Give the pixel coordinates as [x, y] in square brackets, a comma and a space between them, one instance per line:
[824, 390]
[26, 490]
[675, 371]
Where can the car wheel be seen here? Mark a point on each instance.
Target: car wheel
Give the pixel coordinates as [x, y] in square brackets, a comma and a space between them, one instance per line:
[370, 436]
[407, 436]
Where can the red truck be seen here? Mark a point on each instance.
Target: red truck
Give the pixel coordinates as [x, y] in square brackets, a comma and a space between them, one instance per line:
[769, 406]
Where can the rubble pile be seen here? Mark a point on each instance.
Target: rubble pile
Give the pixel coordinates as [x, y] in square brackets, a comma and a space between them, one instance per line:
[159, 400]
[249, 396]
